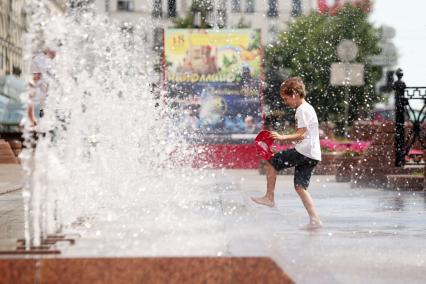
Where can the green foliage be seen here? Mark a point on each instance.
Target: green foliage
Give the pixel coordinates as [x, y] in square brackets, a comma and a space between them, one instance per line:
[187, 22]
[308, 49]
[184, 23]
[243, 24]
[202, 5]
[351, 154]
[255, 42]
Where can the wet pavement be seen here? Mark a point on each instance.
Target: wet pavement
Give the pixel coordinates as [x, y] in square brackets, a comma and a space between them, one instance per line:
[370, 235]
[10, 177]
[11, 205]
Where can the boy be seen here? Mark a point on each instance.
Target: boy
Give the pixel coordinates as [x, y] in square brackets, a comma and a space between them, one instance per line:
[304, 157]
[37, 98]
[38, 86]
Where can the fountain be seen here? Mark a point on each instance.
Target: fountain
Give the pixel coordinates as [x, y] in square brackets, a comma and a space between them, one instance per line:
[112, 165]
[108, 147]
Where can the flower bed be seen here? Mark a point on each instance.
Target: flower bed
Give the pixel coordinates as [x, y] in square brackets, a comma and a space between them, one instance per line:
[328, 145]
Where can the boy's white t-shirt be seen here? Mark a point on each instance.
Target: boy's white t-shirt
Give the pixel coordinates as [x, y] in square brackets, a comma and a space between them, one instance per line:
[38, 93]
[310, 145]
[41, 63]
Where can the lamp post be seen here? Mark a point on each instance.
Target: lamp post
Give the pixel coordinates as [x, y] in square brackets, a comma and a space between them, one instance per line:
[400, 103]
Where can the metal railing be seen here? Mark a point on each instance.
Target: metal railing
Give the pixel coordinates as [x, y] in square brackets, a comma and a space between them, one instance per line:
[410, 123]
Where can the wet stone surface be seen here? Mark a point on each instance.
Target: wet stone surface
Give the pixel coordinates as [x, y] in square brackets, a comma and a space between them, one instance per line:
[11, 219]
[370, 235]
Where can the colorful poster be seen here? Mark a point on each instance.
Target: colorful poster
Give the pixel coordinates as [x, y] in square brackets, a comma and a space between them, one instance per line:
[215, 79]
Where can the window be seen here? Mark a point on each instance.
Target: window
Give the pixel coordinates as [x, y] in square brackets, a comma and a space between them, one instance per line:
[125, 5]
[236, 6]
[221, 18]
[272, 33]
[80, 4]
[157, 9]
[297, 8]
[158, 38]
[171, 8]
[210, 19]
[272, 8]
[107, 6]
[249, 6]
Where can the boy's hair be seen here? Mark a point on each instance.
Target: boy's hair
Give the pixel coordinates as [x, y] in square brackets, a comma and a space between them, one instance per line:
[293, 85]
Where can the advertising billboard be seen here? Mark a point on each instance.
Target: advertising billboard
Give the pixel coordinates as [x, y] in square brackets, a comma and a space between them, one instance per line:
[214, 78]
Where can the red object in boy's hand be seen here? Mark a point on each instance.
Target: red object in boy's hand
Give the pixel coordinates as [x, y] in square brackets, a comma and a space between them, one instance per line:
[263, 142]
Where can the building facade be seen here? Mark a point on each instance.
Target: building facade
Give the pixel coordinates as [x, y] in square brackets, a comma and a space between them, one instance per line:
[12, 25]
[56, 6]
[269, 16]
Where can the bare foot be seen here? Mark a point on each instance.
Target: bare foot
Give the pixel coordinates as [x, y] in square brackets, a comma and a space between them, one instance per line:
[264, 201]
[313, 225]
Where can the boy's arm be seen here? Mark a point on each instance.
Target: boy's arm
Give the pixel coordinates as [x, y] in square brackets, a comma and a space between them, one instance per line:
[30, 104]
[296, 137]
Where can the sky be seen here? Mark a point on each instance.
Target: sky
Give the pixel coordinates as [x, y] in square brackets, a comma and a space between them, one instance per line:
[407, 17]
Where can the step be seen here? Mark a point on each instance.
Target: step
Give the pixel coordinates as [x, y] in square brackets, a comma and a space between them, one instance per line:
[6, 154]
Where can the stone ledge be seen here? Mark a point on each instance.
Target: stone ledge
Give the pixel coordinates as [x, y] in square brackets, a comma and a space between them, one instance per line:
[345, 168]
[386, 127]
[7, 156]
[18, 271]
[143, 270]
[405, 182]
[377, 176]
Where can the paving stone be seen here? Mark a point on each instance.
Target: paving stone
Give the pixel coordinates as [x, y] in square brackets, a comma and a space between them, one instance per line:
[368, 234]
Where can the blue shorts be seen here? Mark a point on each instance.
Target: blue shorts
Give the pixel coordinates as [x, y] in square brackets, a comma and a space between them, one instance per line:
[303, 166]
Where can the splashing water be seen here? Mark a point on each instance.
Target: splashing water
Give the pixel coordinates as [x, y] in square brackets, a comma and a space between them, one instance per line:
[111, 154]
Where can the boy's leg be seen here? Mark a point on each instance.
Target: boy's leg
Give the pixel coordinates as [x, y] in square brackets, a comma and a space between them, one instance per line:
[315, 221]
[302, 176]
[271, 178]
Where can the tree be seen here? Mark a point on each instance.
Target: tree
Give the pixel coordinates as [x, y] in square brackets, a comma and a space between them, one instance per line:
[307, 50]
[204, 8]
